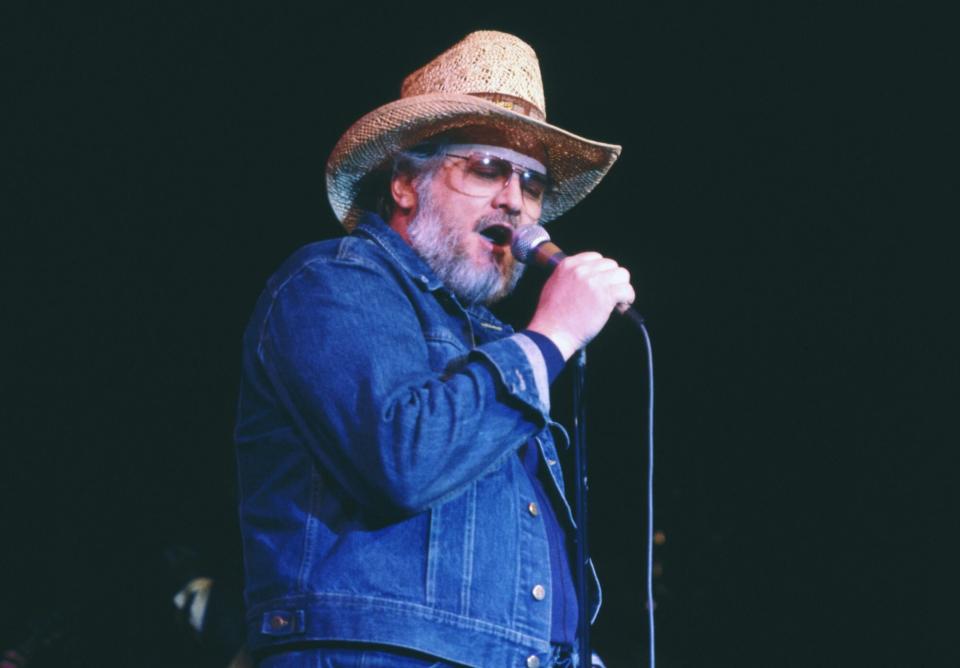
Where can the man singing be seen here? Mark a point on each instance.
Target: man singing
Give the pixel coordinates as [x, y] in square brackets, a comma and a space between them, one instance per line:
[401, 502]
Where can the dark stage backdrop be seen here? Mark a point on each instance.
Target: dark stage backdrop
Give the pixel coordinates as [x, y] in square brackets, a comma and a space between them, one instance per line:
[159, 162]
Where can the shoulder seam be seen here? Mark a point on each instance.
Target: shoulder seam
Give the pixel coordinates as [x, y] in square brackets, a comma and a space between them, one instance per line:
[341, 257]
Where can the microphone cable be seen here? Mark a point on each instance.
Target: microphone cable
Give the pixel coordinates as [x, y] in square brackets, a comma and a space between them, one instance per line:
[650, 603]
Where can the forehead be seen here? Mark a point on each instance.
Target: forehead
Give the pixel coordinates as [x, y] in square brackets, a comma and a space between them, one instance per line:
[517, 158]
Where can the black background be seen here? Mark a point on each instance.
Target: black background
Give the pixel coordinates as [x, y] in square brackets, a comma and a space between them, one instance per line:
[773, 203]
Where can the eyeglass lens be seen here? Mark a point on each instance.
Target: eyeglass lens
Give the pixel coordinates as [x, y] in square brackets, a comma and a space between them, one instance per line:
[485, 175]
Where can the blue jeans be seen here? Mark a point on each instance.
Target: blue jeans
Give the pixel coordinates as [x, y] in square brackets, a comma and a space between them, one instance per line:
[351, 657]
[357, 657]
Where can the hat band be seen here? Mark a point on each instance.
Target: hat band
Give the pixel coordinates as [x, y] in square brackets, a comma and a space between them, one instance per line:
[515, 104]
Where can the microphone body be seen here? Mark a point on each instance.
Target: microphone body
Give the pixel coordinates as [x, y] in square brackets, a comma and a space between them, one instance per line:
[532, 245]
[546, 255]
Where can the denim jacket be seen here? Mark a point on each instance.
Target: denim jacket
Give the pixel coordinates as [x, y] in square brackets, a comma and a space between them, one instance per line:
[381, 496]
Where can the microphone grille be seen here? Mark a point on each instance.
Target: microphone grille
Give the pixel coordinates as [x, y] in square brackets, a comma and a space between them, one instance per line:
[526, 239]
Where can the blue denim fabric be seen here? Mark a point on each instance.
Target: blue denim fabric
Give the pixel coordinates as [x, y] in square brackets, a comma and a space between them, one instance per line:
[382, 499]
[342, 657]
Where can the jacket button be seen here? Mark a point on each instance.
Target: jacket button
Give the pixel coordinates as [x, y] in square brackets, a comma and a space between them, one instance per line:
[533, 661]
[539, 592]
[278, 622]
[532, 507]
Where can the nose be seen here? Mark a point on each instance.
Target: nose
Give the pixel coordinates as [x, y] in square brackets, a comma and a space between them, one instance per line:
[510, 198]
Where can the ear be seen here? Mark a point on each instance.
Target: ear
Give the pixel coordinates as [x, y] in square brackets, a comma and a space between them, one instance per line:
[404, 192]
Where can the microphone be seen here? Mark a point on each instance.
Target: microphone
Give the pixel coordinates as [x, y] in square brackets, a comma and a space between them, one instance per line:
[531, 245]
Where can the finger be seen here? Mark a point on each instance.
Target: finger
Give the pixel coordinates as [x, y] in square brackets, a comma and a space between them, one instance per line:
[622, 294]
[616, 275]
[581, 258]
[603, 264]
[587, 269]
[626, 295]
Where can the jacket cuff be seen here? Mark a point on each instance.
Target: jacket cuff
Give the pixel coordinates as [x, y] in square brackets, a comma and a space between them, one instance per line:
[521, 369]
[551, 354]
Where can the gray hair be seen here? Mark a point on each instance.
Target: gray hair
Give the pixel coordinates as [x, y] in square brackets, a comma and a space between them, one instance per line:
[416, 162]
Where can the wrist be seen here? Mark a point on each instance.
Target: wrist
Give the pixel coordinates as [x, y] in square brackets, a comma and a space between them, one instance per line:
[565, 343]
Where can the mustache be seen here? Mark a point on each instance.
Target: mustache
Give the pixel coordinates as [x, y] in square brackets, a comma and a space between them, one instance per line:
[499, 218]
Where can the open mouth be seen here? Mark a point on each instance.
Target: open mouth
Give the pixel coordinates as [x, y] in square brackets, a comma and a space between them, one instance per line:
[498, 234]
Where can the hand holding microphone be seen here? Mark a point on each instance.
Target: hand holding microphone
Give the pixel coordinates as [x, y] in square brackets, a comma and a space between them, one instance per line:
[581, 293]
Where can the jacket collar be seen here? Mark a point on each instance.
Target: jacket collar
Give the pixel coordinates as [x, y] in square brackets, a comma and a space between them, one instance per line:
[373, 227]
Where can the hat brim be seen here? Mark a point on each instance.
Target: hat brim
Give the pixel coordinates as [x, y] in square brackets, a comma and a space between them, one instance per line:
[575, 164]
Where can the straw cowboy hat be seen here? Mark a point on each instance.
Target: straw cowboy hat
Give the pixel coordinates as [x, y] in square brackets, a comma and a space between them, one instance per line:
[489, 82]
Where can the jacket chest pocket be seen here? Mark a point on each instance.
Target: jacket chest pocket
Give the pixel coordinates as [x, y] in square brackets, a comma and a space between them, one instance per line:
[445, 350]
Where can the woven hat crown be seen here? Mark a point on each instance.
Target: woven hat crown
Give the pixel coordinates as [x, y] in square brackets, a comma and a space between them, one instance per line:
[486, 88]
[492, 65]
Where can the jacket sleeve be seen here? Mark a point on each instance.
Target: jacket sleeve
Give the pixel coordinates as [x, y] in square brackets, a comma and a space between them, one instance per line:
[347, 357]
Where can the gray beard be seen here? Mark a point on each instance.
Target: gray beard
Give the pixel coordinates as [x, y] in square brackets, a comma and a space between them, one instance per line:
[444, 248]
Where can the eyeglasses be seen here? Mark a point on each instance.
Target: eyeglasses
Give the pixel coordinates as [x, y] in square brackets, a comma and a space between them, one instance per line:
[484, 175]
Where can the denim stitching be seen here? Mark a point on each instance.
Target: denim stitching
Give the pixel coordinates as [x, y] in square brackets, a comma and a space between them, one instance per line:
[433, 550]
[468, 549]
